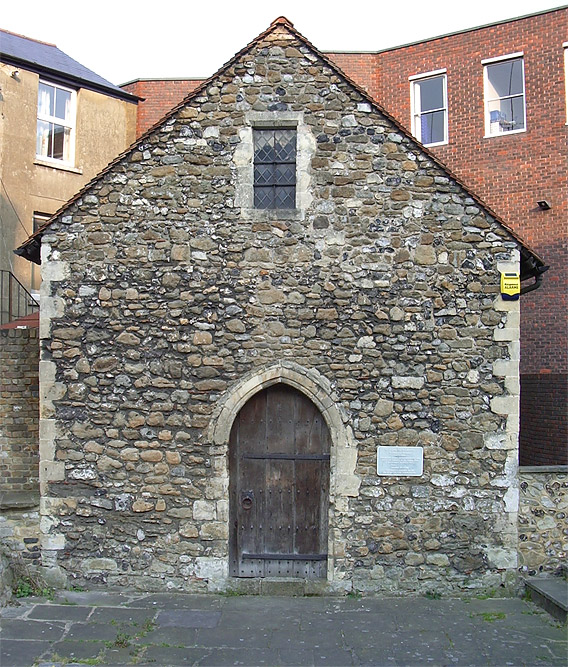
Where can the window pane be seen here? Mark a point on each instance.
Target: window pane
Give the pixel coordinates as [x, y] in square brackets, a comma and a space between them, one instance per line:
[264, 153]
[263, 197]
[42, 138]
[505, 78]
[432, 127]
[518, 112]
[285, 174]
[62, 104]
[46, 100]
[431, 93]
[506, 115]
[60, 142]
[264, 174]
[264, 146]
[285, 197]
[285, 145]
[39, 219]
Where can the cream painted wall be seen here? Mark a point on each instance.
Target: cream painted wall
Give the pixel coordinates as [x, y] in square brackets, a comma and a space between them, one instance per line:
[105, 126]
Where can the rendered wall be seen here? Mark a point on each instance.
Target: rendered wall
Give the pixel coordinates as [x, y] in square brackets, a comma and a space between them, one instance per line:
[105, 127]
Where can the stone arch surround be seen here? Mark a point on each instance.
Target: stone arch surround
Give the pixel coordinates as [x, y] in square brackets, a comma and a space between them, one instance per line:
[344, 483]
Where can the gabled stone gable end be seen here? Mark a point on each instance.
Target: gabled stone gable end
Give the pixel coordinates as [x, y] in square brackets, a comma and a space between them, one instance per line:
[168, 301]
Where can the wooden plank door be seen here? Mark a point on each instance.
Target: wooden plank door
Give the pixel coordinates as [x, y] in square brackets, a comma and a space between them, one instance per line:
[279, 487]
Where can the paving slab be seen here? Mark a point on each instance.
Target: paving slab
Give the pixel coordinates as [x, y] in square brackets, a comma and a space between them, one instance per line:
[93, 632]
[21, 652]
[122, 615]
[222, 637]
[126, 655]
[177, 601]
[168, 655]
[188, 618]
[59, 612]
[294, 657]
[20, 628]
[91, 598]
[176, 637]
[238, 656]
[76, 651]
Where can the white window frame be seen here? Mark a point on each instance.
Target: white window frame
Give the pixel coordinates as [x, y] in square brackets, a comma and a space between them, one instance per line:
[486, 100]
[38, 220]
[67, 123]
[416, 112]
[565, 47]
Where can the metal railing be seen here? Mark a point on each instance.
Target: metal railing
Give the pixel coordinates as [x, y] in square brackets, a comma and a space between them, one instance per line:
[15, 300]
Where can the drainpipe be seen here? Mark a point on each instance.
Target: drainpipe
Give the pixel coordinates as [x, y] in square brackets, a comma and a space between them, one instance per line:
[537, 274]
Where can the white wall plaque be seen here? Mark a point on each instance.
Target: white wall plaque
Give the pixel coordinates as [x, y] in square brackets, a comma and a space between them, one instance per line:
[400, 461]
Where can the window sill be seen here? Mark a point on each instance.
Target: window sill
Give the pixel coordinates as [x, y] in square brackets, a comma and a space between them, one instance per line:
[438, 143]
[55, 164]
[504, 134]
[262, 214]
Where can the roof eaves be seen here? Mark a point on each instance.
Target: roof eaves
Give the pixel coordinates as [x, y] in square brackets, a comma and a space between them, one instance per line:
[62, 77]
[165, 78]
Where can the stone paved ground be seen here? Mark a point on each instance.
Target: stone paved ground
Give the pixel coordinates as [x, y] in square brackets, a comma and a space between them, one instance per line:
[99, 628]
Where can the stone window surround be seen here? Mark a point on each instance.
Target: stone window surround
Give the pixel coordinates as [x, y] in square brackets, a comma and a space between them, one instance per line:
[244, 163]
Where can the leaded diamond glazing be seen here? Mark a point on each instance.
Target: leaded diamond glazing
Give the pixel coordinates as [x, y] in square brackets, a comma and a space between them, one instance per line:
[275, 168]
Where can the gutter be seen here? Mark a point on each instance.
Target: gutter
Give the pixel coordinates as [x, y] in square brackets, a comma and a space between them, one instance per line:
[57, 76]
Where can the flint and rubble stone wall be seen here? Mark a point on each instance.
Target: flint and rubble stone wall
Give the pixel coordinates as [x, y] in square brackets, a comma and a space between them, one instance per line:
[543, 528]
[160, 294]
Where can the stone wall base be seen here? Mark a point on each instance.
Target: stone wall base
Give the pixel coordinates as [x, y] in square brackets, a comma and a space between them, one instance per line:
[391, 582]
[543, 529]
[6, 580]
[19, 526]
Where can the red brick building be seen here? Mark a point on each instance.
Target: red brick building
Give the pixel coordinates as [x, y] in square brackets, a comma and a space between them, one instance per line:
[491, 103]
[159, 96]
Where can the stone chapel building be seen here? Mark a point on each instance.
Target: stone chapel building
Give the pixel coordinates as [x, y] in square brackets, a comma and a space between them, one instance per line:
[274, 345]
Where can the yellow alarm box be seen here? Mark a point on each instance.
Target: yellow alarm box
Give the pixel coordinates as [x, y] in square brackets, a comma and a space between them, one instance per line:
[510, 286]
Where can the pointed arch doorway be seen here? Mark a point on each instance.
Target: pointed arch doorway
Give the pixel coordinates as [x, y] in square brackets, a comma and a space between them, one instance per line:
[279, 453]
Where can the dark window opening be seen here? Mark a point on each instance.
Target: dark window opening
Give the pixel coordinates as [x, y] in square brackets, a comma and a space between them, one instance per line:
[275, 168]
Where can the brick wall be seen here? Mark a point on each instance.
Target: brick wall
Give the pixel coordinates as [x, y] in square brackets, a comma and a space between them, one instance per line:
[509, 172]
[361, 67]
[160, 95]
[543, 393]
[19, 411]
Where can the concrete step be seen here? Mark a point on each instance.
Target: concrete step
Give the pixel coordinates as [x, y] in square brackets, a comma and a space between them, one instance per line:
[551, 594]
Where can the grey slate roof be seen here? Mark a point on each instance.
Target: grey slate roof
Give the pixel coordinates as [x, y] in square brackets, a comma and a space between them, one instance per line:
[46, 59]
